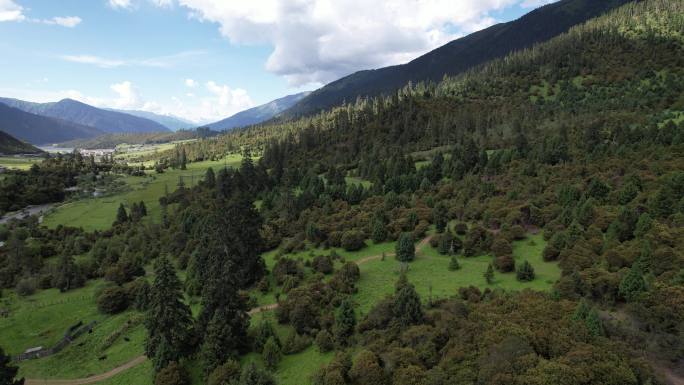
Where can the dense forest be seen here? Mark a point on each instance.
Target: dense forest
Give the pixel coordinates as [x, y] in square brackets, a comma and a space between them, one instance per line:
[580, 139]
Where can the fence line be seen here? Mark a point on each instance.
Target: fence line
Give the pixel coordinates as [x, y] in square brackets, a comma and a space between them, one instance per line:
[72, 333]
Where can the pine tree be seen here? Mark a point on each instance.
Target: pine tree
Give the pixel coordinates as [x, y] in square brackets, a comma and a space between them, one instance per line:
[183, 159]
[345, 322]
[8, 372]
[252, 375]
[121, 215]
[453, 264]
[379, 233]
[593, 323]
[210, 178]
[440, 217]
[633, 284]
[489, 274]
[168, 320]
[271, 353]
[406, 248]
[406, 307]
[225, 337]
[525, 272]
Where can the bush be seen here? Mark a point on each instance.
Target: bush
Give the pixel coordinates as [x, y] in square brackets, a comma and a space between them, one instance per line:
[113, 300]
[501, 247]
[517, 232]
[525, 272]
[172, 374]
[26, 286]
[324, 341]
[461, 228]
[271, 353]
[226, 374]
[453, 264]
[322, 264]
[505, 264]
[353, 240]
[296, 343]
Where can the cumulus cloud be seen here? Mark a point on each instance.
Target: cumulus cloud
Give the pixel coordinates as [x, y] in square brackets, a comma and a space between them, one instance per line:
[11, 11]
[128, 97]
[316, 41]
[190, 83]
[66, 21]
[536, 3]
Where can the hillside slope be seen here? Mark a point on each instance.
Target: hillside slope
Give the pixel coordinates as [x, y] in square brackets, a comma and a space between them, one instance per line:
[173, 123]
[459, 55]
[38, 129]
[10, 145]
[258, 114]
[84, 114]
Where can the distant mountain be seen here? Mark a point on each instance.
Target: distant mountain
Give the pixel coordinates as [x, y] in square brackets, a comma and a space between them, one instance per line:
[258, 114]
[38, 129]
[459, 55]
[10, 145]
[173, 123]
[73, 111]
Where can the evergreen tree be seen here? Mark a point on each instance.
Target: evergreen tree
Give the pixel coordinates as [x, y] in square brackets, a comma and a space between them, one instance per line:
[489, 274]
[183, 159]
[8, 372]
[406, 307]
[525, 272]
[68, 274]
[252, 375]
[168, 320]
[225, 337]
[453, 264]
[121, 215]
[345, 322]
[633, 284]
[379, 233]
[440, 217]
[210, 178]
[406, 248]
[593, 323]
[271, 353]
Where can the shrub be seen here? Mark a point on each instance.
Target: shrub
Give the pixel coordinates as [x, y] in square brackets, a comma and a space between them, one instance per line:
[113, 300]
[322, 264]
[517, 232]
[172, 374]
[296, 343]
[505, 263]
[226, 374]
[26, 286]
[453, 264]
[461, 228]
[324, 341]
[501, 247]
[525, 272]
[405, 248]
[271, 353]
[353, 240]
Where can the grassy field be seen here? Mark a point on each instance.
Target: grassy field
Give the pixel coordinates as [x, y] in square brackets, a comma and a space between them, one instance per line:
[18, 163]
[99, 213]
[429, 272]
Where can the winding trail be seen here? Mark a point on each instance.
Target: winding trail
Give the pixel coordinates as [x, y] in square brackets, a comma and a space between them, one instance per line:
[141, 359]
[93, 379]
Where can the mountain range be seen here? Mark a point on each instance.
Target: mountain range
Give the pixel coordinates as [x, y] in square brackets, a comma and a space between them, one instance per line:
[37, 129]
[459, 55]
[171, 122]
[258, 114]
[10, 145]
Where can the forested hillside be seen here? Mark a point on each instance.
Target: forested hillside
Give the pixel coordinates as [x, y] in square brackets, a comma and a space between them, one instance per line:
[459, 55]
[10, 146]
[520, 223]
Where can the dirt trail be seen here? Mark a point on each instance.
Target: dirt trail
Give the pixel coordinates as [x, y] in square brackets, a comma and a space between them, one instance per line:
[93, 379]
[139, 360]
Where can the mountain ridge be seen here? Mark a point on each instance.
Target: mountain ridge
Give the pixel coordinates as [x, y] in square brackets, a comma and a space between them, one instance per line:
[258, 114]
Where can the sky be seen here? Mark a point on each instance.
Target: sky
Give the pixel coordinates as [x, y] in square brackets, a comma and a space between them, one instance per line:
[204, 60]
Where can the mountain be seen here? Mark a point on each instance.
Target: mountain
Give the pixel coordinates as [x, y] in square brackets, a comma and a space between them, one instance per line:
[37, 129]
[258, 114]
[171, 122]
[84, 114]
[459, 55]
[10, 145]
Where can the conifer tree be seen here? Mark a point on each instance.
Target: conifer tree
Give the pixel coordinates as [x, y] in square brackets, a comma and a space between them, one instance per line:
[345, 322]
[440, 217]
[271, 353]
[489, 274]
[453, 264]
[525, 272]
[168, 320]
[252, 375]
[406, 307]
[633, 283]
[406, 248]
[121, 215]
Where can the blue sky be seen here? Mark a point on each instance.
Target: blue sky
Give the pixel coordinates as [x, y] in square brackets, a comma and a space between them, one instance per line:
[207, 59]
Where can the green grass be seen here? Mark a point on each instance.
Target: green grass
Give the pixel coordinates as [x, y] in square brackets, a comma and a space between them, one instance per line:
[139, 375]
[430, 270]
[99, 213]
[18, 163]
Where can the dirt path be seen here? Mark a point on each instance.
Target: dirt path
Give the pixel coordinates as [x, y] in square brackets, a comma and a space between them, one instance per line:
[139, 360]
[93, 379]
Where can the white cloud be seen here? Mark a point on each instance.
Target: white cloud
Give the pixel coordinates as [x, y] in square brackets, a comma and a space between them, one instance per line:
[11, 11]
[536, 3]
[119, 3]
[155, 62]
[128, 97]
[190, 83]
[67, 21]
[316, 41]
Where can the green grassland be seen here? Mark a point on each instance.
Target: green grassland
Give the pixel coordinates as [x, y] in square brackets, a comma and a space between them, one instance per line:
[99, 213]
[19, 163]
